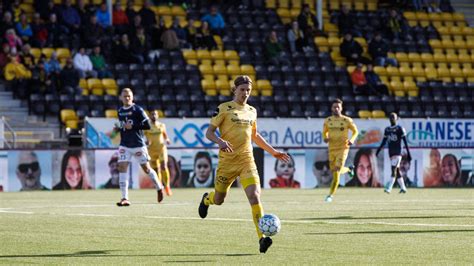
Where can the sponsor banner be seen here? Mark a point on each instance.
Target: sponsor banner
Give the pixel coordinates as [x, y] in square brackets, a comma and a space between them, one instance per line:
[448, 167]
[107, 173]
[73, 169]
[29, 170]
[301, 133]
[2, 134]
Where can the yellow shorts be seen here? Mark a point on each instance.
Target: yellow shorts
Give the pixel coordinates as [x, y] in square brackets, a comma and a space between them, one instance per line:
[226, 175]
[337, 158]
[158, 156]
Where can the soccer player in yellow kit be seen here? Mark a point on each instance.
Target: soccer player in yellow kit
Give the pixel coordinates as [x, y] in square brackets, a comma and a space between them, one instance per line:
[157, 137]
[237, 123]
[335, 133]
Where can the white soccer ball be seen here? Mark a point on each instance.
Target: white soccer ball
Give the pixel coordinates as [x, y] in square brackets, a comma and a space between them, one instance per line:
[269, 225]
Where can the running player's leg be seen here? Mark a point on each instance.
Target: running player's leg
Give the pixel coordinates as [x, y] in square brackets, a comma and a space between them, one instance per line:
[123, 162]
[336, 160]
[395, 162]
[165, 173]
[401, 182]
[222, 183]
[143, 158]
[155, 164]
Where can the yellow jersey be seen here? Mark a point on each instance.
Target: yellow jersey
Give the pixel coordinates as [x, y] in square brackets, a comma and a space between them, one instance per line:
[236, 124]
[155, 136]
[336, 129]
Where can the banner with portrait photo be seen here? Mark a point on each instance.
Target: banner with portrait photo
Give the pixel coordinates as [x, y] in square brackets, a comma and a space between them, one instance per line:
[3, 170]
[317, 172]
[448, 167]
[73, 169]
[411, 171]
[279, 174]
[106, 170]
[29, 170]
[368, 170]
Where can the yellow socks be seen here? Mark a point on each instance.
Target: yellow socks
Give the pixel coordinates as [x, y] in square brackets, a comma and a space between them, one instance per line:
[344, 170]
[165, 174]
[257, 212]
[210, 199]
[335, 182]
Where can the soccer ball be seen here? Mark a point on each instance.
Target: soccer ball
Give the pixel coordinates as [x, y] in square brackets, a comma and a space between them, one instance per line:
[269, 225]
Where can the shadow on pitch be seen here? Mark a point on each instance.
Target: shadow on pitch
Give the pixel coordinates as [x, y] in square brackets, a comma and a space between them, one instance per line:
[394, 232]
[108, 253]
[385, 217]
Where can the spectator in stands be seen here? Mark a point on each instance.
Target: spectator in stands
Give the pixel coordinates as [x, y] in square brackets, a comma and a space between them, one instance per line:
[274, 50]
[140, 45]
[7, 23]
[4, 56]
[136, 23]
[98, 63]
[56, 32]
[169, 39]
[148, 16]
[346, 22]
[378, 49]
[359, 82]
[205, 37]
[16, 9]
[15, 71]
[215, 20]
[309, 24]
[13, 40]
[83, 64]
[352, 50]
[103, 17]
[41, 82]
[26, 58]
[396, 26]
[433, 6]
[69, 79]
[129, 11]
[155, 32]
[123, 52]
[374, 82]
[296, 38]
[120, 20]
[92, 33]
[191, 32]
[23, 28]
[180, 33]
[40, 32]
[83, 11]
[47, 10]
[53, 69]
[70, 17]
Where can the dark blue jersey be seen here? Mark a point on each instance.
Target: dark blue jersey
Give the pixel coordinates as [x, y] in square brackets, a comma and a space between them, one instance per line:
[133, 138]
[394, 136]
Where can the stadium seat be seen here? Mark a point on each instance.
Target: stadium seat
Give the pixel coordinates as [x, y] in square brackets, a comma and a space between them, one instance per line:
[365, 114]
[47, 52]
[206, 70]
[63, 53]
[110, 86]
[378, 114]
[220, 70]
[69, 118]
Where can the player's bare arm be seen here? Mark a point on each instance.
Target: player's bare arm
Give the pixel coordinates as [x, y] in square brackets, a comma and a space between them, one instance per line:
[262, 143]
[223, 144]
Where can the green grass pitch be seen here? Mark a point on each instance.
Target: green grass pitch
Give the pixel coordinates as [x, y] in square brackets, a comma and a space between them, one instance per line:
[361, 226]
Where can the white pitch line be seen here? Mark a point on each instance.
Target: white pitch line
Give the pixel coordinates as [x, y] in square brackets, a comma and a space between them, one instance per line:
[16, 212]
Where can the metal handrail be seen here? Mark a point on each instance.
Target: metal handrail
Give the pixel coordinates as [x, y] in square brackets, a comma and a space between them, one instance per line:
[9, 128]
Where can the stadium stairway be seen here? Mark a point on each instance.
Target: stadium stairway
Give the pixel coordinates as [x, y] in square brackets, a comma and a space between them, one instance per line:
[31, 131]
[466, 7]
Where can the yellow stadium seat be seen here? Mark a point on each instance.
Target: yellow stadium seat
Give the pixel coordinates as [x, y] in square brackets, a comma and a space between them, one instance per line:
[447, 43]
[434, 16]
[443, 72]
[334, 41]
[284, 3]
[220, 70]
[365, 114]
[233, 70]
[334, 5]
[361, 41]
[63, 53]
[74, 124]
[231, 55]
[381, 71]
[217, 55]
[371, 6]
[434, 43]
[392, 71]
[468, 72]
[418, 71]
[399, 93]
[414, 57]
[189, 54]
[271, 4]
[409, 85]
[67, 114]
[208, 85]
[460, 44]
[378, 114]
[401, 57]
[466, 66]
[452, 58]
[223, 77]
[111, 113]
[395, 85]
[206, 70]
[110, 86]
[211, 92]
[47, 52]
[219, 62]
[222, 85]
[427, 58]
[36, 52]
[247, 70]
[439, 58]
[414, 93]
[405, 71]
[218, 41]
[321, 41]
[459, 17]
[203, 54]
[409, 15]
[264, 84]
[284, 14]
[445, 16]
[177, 11]
[83, 84]
[467, 31]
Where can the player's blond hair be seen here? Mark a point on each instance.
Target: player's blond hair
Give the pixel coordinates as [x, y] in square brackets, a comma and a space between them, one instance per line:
[240, 80]
[126, 89]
